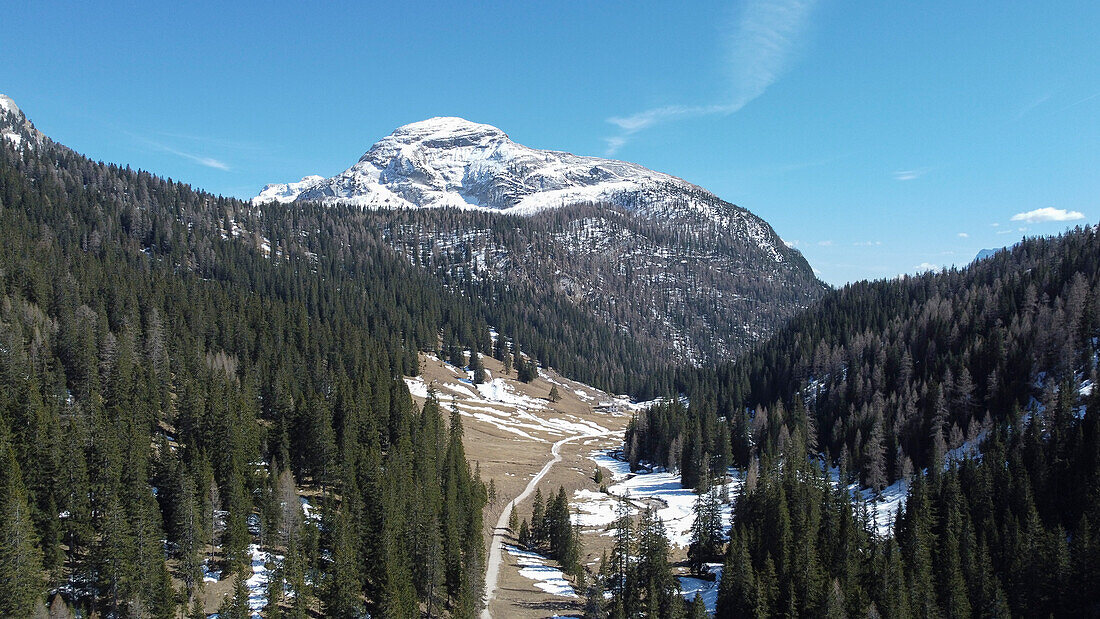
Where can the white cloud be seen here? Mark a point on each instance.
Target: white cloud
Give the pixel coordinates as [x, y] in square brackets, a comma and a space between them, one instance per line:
[825, 243]
[794, 243]
[761, 47]
[963, 235]
[867, 243]
[614, 144]
[926, 266]
[1048, 213]
[908, 175]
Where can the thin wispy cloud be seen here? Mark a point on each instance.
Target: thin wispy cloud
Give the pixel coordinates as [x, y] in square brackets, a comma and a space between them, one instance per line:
[1046, 214]
[614, 144]
[908, 175]
[963, 235]
[926, 266]
[209, 162]
[1028, 107]
[828, 243]
[867, 243]
[761, 45]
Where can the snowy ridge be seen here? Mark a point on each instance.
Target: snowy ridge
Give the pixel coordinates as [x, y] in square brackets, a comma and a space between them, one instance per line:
[456, 163]
[286, 192]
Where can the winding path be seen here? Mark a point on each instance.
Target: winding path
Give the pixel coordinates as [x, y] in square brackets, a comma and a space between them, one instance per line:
[492, 567]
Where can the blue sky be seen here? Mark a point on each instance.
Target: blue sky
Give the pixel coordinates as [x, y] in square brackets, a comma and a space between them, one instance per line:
[878, 137]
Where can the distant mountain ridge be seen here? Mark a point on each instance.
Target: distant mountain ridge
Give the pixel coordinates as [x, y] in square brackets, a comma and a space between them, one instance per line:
[652, 254]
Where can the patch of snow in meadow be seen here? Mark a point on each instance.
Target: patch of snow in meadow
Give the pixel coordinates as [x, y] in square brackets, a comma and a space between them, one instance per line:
[596, 509]
[498, 403]
[417, 387]
[547, 578]
[661, 489]
[496, 390]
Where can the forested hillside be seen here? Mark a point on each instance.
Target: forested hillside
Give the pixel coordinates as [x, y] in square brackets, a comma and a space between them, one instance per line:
[892, 374]
[652, 291]
[167, 386]
[875, 385]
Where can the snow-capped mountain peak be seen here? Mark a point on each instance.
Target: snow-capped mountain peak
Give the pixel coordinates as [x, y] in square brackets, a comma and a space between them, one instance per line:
[448, 161]
[453, 162]
[447, 131]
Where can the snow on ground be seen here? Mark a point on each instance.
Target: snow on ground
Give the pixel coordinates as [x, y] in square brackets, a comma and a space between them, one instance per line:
[691, 587]
[209, 574]
[417, 387]
[547, 578]
[257, 582]
[883, 509]
[497, 390]
[968, 450]
[497, 402]
[675, 504]
[310, 512]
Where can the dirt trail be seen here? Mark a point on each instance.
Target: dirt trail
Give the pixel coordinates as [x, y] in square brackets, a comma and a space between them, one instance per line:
[492, 568]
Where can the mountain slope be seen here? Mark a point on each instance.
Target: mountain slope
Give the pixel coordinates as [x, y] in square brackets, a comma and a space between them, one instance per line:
[168, 387]
[649, 254]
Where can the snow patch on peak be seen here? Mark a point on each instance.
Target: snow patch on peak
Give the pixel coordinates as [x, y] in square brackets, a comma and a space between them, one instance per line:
[442, 128]
[8, 105]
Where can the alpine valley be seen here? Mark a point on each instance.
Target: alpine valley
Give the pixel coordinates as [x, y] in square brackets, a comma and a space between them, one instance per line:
[469, 378]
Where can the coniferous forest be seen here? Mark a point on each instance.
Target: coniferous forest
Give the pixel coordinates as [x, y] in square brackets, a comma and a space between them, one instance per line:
[180, 373]
[164, 390]
[877, 385]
